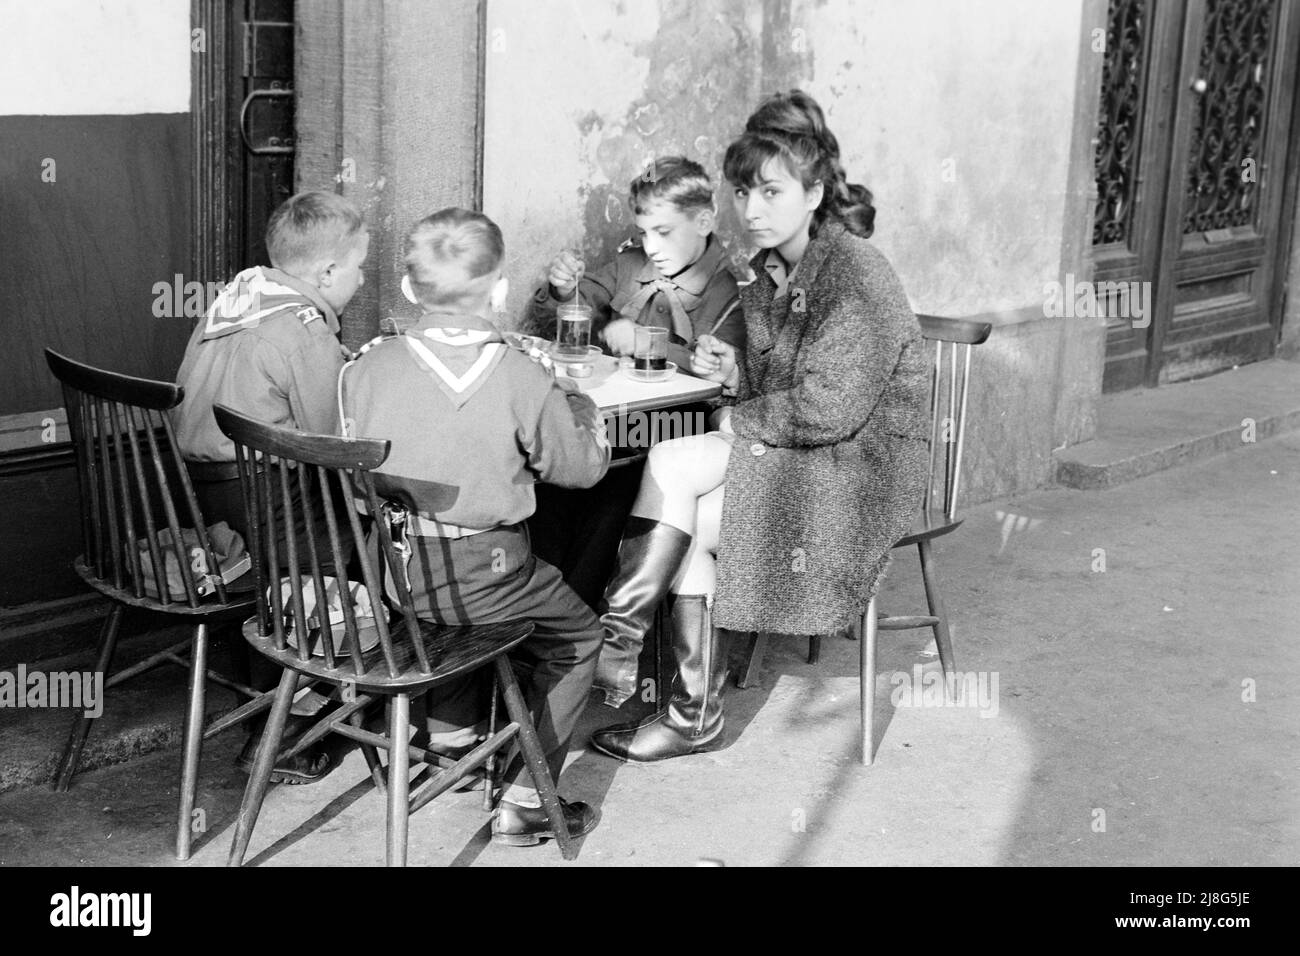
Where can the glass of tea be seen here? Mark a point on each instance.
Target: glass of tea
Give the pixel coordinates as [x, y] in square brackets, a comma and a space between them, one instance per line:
[651, 349]
[572, 330]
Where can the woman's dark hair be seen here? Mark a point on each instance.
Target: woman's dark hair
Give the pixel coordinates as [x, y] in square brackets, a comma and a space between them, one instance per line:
[791, 127]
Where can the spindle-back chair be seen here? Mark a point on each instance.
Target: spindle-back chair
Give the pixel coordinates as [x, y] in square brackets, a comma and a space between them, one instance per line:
[936, 517]
[412, 656]
[133, 486]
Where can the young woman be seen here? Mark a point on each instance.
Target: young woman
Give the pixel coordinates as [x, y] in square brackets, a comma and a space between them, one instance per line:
[781, 521]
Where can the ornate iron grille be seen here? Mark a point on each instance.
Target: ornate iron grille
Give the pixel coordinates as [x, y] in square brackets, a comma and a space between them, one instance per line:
[1228, 119]
[1119, 123]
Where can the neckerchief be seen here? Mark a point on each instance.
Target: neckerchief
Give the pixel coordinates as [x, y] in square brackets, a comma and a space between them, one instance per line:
[260, 292]
[683, 291]
[481, 341]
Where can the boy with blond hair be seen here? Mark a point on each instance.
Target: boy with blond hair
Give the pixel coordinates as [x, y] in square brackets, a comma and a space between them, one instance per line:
[269, 348]
[473, 424]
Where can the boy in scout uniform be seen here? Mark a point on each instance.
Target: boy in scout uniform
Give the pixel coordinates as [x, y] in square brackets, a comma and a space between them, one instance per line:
[269, 348]
[675, 275]
[473, 425]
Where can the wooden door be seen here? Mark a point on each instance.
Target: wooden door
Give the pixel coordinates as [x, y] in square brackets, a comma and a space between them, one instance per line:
[1191, 162]
[265, 144]
[242, 114]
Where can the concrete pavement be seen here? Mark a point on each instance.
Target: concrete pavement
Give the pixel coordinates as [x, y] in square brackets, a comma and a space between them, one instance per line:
[1147, 711]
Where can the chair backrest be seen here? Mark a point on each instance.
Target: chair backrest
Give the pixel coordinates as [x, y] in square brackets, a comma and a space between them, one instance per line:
[330, 466]
[133, 484]
[948, 406]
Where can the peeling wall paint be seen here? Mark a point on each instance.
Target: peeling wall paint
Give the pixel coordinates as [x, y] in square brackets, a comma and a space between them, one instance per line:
[581, 96]
[956, 115]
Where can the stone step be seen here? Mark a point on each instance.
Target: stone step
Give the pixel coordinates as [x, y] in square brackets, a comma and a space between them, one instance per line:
[1143, 431]
[52, 628]
[140, 716]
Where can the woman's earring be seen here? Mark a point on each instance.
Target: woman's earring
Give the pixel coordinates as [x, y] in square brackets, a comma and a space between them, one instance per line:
[408, 291]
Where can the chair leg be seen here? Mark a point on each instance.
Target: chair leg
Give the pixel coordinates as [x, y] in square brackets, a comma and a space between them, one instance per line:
[867, 693]
[263, 764]
[193, 751]
[748, 673]
[814, 648]
[942, 639]
[81, 726]
[490, 768]
[534, 758]
[370, 753]
[399, 778]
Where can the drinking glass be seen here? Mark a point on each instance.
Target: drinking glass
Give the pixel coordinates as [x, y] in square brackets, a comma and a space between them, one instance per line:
[651, 349]
[572, 330]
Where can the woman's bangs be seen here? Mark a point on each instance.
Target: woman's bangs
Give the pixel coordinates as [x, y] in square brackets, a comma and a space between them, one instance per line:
[746, 157]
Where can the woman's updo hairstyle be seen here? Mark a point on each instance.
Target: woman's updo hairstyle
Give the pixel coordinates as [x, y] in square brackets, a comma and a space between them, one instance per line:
[791, 127]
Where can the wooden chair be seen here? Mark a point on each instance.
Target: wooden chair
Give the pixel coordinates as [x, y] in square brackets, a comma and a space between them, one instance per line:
[132, 486]
[947, 427]
[410, 658]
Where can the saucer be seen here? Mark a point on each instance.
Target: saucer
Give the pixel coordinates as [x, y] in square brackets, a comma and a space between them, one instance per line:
[628, 366]
[576, 366]
[571, 358]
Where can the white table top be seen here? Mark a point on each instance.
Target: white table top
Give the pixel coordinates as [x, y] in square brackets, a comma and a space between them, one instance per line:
[616, 394]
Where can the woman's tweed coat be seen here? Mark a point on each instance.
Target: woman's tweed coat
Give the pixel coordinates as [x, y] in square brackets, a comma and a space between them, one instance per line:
[831, 453]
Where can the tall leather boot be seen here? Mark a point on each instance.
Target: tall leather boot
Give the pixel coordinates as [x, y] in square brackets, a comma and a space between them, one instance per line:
[693, 721]
[649, 557]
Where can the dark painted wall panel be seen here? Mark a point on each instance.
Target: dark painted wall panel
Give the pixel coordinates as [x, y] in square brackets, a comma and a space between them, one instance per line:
[40, 534]
[79, 256]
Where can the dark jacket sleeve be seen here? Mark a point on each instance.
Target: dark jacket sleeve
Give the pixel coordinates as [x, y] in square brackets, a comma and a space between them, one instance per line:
[596, 289]
[718, 314]
[568, 446]
[863, 322]
[732, 329]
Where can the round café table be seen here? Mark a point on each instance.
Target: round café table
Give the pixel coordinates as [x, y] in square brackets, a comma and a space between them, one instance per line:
[578, 530]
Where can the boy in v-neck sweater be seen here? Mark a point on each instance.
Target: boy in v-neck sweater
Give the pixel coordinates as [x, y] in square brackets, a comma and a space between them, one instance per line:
[474, 424]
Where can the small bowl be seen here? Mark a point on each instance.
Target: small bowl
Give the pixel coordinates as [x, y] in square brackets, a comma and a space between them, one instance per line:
[628, 365]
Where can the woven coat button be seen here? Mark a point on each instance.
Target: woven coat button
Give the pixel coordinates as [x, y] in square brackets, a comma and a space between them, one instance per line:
[757, 450]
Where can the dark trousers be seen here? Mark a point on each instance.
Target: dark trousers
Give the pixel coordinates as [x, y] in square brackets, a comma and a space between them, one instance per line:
[491, 577]
[578, 530]
[221, 500]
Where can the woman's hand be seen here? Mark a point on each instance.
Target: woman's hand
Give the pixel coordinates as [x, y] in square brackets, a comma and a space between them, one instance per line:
[715, 361]
[564, 274]
[620, 336]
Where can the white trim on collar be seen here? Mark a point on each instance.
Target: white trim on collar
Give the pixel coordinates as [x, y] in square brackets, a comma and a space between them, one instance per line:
[457, 383]
[457, 336]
